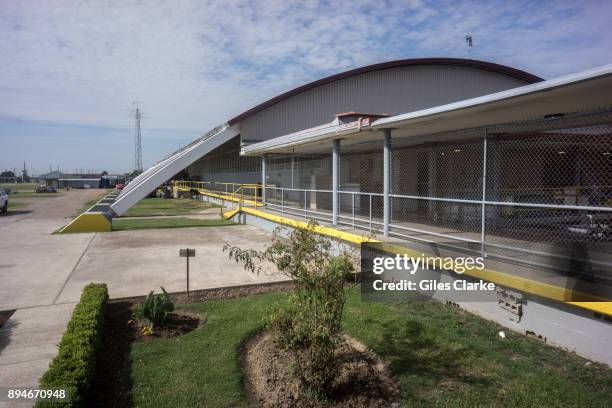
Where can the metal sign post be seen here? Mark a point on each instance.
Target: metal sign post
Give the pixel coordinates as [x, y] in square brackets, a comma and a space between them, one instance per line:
[187, 253]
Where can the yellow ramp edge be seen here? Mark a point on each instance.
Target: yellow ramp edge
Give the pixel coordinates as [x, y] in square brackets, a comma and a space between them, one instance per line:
[89, 222]
[229, 214]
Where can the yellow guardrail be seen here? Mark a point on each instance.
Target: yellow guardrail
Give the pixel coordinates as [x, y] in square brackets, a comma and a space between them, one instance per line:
[242, 194]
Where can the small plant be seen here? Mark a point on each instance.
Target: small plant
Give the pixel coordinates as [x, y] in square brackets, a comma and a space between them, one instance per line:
[155, 308]
[147, 331]
[310, 325]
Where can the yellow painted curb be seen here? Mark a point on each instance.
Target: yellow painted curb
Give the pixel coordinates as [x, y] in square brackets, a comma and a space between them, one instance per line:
[599, 307]
[512, 281]
[561, 294]
[89, 222]
[330, 232]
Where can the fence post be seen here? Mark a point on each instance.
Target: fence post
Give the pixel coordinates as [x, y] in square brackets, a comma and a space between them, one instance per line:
[484, 194]
[263, 180]
[335, 179]
[370, 195]
[386, 182]
[353, 195]
[292, 170]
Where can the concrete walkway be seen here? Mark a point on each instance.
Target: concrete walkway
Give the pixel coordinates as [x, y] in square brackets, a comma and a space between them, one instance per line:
[28, 342]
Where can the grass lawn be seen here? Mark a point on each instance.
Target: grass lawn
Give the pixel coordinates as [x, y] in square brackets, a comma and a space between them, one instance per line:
[20, 199]
[19, 187]
[442, 356]
[19, 204]
[160, 207]
[120, 224]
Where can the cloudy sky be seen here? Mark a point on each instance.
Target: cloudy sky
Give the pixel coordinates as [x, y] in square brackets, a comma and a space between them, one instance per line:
[69, 70]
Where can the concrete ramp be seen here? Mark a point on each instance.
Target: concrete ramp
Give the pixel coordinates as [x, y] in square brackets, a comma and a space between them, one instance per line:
[149, 180]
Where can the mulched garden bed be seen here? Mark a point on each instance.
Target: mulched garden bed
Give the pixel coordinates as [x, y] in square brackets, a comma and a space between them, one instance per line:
[203, 295]
[271, 381]
[176, 325]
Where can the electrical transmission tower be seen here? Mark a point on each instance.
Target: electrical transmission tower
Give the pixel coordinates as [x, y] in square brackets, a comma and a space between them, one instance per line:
[137, 114]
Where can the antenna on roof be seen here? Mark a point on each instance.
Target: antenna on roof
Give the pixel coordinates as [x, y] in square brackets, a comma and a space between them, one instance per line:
[470, 44]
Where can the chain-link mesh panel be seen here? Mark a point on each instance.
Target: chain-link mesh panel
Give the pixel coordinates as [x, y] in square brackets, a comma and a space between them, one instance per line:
[571, 166]
[280, 171]
[518, 225]
[362, 171]
[451, 219]
[570, 241]
[291, 179]
[450, 170]
[300, 172]
[313, 172]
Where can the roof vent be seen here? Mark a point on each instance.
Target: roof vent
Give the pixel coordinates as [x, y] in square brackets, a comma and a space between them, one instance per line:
[348, 117]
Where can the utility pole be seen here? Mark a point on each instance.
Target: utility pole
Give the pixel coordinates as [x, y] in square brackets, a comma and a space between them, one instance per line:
[137, 114]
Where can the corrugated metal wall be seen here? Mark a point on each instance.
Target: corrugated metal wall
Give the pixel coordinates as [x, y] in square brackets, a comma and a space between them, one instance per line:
[392, 91]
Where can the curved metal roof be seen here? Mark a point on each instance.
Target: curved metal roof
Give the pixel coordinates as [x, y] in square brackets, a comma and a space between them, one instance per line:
[461, 62]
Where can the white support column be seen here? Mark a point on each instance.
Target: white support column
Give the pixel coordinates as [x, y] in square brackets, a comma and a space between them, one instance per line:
[386, 182]
[263, 179]
[335, 179]
[292, 170]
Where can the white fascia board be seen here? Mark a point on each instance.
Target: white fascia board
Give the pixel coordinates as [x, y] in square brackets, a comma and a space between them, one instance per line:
[544, 86]
[328, 131]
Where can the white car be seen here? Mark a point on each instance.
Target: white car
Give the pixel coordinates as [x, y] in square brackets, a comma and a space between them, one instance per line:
[3, 201]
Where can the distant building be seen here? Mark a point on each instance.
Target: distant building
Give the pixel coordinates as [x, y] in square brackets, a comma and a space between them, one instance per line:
[111, 180]
[61, 180]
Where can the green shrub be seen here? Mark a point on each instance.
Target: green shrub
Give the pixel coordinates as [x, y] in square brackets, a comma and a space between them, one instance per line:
[311, 324]
[155, 308]
[73, 367]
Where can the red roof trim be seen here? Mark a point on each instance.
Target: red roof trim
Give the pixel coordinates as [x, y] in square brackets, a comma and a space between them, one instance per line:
[487, 66]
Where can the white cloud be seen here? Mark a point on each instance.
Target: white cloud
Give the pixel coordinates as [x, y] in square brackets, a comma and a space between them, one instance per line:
[195, 64]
